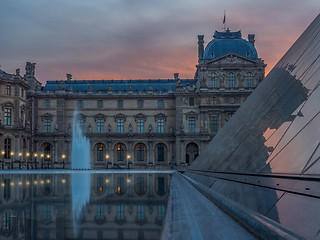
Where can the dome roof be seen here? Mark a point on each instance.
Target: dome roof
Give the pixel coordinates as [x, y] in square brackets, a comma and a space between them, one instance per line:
[229, 42]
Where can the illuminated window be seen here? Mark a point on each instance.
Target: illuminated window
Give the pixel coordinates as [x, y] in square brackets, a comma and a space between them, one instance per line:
[100, 125]
[120, 125]
[192, 124]
[120, 152]
[7, 116]
[140, 123]
[47, 125]
[100, 152]
[140, 152]
[160, 124]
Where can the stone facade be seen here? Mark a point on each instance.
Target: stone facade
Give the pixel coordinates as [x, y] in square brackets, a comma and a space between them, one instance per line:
[149, 124]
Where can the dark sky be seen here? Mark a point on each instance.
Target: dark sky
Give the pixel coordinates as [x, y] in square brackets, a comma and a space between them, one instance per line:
[133, 39]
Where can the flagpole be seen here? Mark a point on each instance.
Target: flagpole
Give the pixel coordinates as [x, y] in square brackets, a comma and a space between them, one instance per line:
[224, 20]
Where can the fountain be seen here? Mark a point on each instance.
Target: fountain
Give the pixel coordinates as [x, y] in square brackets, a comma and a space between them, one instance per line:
[81, 181]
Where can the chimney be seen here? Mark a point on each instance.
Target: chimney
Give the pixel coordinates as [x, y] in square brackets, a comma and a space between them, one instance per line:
[200, 47]
[69, 77]
[251, 39]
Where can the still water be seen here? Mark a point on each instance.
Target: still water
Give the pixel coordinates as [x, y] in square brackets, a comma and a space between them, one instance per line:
[83, 205]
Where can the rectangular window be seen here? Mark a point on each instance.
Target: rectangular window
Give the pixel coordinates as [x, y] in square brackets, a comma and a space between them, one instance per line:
[80, 104]
[7, 116]
[100, 215]
[100, 104]
[192, 124]
[140, 212]
[100, 125]
[81, 123]
[160, 104]
[100, 152]
[47, 213]
[140, 104]
[8, 90]
[120, 104]
[47, 103]
[120, 212]
[120, 125]
[140, 125]
[160, 123]
[47, 125]
[213, 123]
[161, 212]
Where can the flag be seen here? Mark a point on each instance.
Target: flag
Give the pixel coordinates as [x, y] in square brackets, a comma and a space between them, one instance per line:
[224, 18]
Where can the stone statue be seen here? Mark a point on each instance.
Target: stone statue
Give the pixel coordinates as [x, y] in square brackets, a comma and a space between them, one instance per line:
[69, 128]
[18, 72]
[150, 128]
[203, 83]
[30, 67]
[130, 128]
[89, 128]
[56, 127]
[109, 128]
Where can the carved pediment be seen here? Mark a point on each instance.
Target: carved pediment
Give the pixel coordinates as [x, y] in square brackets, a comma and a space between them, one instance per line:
[160, 116]
[231, 59]
[120, 116]
[6, 105]
[81, 116]
[46, 116]
[140, 116]
[100, 116]
[191, 114]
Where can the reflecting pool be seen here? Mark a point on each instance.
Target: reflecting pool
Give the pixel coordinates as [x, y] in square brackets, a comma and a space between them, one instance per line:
[114, 205]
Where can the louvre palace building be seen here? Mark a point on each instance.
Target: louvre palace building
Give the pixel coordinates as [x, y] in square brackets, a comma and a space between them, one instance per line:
[143, 124]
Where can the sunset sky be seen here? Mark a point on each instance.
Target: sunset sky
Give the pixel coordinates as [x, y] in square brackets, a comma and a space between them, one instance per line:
[133, 39]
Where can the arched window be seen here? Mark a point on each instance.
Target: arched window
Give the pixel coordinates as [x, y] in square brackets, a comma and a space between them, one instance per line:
[191, 101]
[100, 152]
[213, 80]
[140, 185]
[7, 148]
[140, 152]
[8, 90]
[231, 80]
[192, 152]
[160, 152]
[249, 80]
[120, 152]
[47, 151]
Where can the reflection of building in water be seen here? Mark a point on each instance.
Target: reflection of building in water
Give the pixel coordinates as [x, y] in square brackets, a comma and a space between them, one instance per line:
[141, 123]
[122, 206]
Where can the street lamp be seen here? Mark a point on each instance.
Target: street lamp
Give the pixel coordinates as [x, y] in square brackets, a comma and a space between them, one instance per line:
[107, 157]
[27, 159]
[42, 159]
[20, 154]
[63, 156]
[35, 159]
[48, 157]
[12, 154]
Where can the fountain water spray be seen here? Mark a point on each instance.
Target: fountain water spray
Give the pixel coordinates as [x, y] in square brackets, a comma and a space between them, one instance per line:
[81, 181]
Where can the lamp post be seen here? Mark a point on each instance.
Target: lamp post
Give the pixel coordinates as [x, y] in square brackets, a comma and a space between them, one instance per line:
[63, 156]
[27, 159]
[128, 157]
[2, 164]
[20, 154]
[11, 156]
[107, 159]
[48, 158]
[42, 159]
[35, 159]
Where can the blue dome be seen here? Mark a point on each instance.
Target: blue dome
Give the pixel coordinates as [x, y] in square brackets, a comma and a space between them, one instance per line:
[229, 42]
